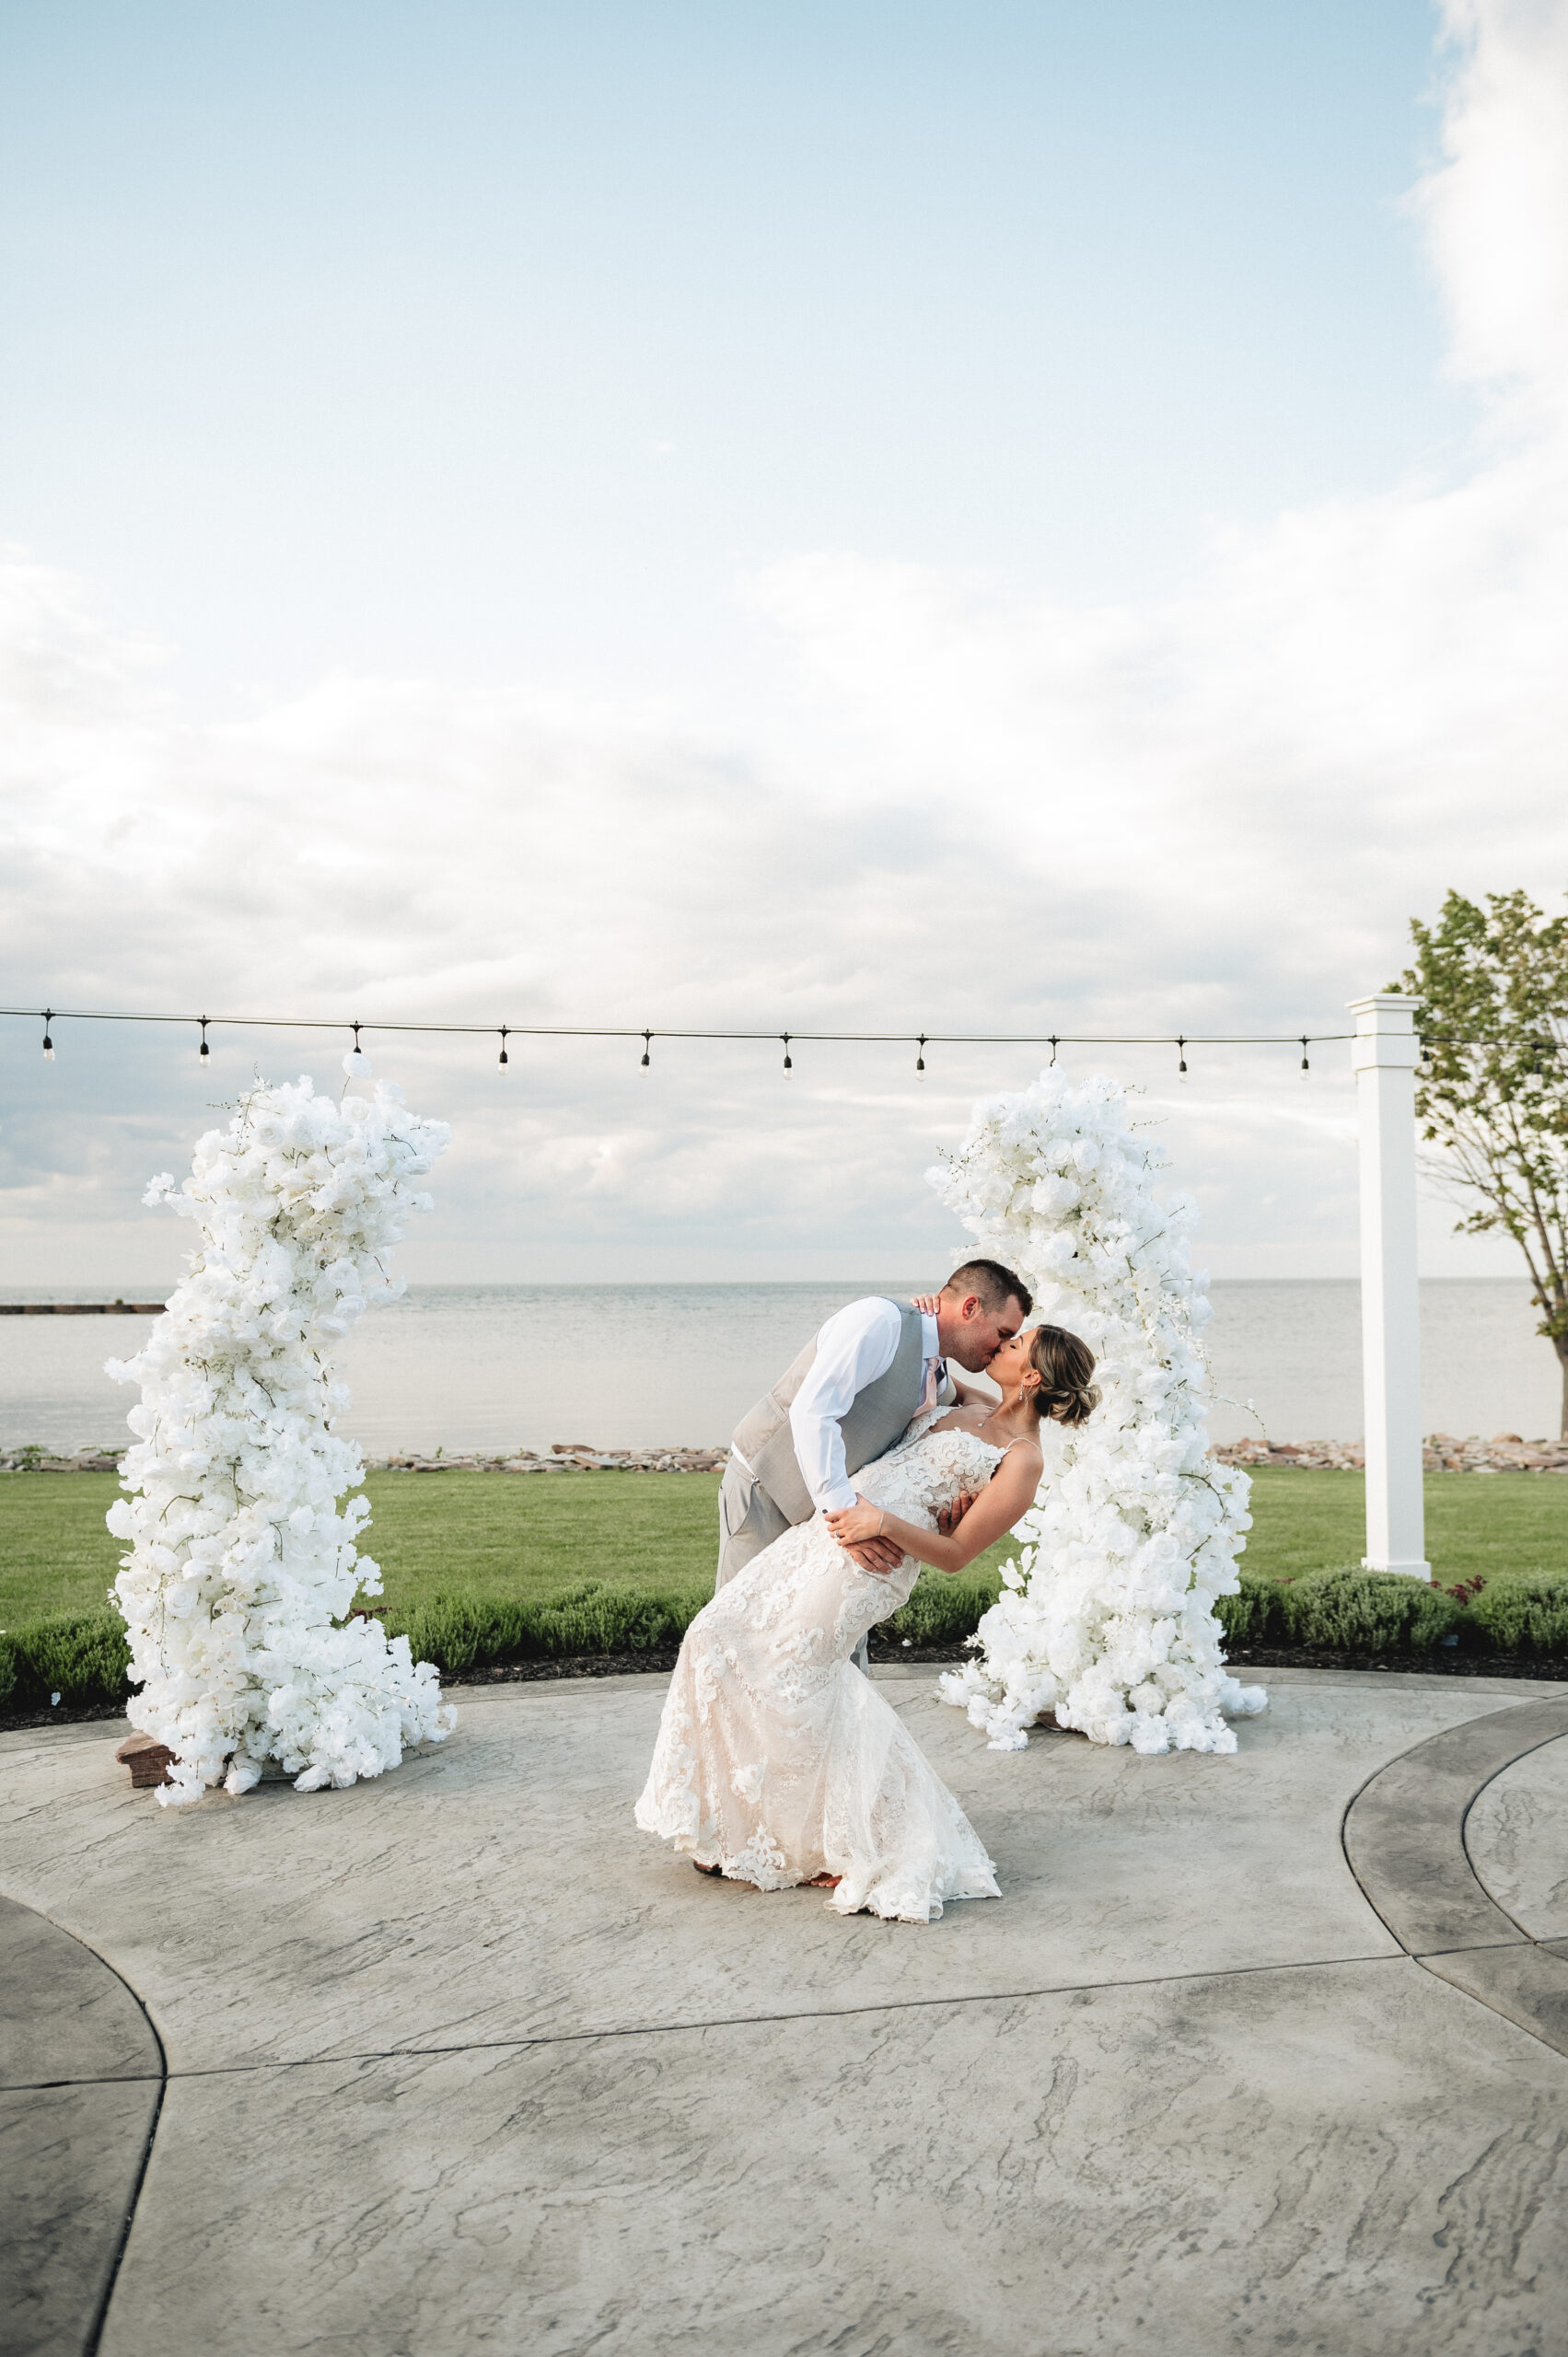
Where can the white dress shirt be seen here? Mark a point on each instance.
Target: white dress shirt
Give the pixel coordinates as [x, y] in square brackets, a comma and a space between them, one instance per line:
[854, 1347]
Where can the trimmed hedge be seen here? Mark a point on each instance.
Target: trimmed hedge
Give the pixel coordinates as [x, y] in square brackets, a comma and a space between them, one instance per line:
[1522, 1612]
[1251, 1618]
[1343, 1611]
[941, 1610]
[83, 1656]
[461, 1632]
[1353, 1611]
[1368, 1612]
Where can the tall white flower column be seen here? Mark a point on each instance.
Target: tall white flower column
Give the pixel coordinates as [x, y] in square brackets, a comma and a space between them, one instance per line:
[1107, 1616]
[241, 1567]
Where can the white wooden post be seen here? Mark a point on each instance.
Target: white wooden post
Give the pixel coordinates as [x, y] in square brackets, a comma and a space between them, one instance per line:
[1384, 1056]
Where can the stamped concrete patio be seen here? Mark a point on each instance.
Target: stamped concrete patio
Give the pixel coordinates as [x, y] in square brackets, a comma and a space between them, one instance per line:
[1267, 2053]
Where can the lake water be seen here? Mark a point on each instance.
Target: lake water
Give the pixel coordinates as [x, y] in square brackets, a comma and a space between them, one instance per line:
[507, 1366]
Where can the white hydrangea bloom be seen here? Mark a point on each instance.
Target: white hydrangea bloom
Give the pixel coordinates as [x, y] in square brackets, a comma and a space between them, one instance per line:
[1107, 1616]
[242, 1566]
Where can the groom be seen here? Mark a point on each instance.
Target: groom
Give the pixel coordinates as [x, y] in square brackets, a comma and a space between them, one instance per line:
[845, 1400]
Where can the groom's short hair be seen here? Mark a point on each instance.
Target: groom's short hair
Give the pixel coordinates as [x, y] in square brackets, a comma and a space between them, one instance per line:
[994, 1284]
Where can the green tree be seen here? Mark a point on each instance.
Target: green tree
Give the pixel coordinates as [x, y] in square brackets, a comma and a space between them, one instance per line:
[1491, 1093]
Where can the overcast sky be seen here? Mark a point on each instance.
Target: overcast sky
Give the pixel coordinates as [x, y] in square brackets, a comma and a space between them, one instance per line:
[961, 518]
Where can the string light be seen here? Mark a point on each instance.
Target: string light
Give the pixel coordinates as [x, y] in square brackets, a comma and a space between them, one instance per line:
[1181, 1053]
[920, 1041]
[1304, 1066]
[204, 1049]
[504, 1058]
[48, 1043]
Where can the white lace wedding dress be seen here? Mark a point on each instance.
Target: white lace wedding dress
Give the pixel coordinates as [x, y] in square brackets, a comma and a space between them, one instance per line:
[777, 1759]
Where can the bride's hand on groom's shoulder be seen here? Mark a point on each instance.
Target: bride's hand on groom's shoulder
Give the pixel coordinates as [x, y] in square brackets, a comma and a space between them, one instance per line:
[927, 1303]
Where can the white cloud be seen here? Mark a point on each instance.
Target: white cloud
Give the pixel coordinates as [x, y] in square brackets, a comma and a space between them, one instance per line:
[1496, 210]
[1214, 814]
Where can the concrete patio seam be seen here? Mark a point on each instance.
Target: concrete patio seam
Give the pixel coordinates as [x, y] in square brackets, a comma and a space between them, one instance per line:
[743, 2021]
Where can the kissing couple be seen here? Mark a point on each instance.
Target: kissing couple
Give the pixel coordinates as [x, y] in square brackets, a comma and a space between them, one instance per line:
[778, 1762]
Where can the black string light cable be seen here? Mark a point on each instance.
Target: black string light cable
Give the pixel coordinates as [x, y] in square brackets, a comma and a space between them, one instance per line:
[919, 1040]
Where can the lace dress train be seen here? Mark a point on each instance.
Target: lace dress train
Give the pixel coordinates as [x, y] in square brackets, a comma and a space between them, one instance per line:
[777, 1760]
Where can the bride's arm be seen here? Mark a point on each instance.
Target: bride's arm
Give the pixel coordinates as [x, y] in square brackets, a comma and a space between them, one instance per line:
[1006, 1497]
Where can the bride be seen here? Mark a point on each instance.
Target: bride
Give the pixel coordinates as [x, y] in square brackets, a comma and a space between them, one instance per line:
[777, 1762]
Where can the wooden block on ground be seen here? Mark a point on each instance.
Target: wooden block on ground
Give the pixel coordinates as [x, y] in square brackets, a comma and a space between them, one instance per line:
[148, 1760]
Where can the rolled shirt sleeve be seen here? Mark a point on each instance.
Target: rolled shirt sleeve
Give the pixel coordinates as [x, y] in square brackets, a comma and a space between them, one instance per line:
[854, 1347]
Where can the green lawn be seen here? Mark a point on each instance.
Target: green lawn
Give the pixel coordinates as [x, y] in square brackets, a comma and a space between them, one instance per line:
[500, 1535]
[1476, 1522]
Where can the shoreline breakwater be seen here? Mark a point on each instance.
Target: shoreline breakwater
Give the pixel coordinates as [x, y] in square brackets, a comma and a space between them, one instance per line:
[1441, 1453]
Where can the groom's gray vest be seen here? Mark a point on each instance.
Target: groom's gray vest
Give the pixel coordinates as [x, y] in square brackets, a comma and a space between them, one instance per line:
[874, 1420]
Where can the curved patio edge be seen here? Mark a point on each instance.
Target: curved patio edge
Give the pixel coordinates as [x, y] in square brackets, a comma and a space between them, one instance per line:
[82, 2076]
[1404, 1840]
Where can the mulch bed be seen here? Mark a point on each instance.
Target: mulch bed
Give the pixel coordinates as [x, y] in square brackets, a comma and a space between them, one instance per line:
[64, 1716]
[1441, 1662]
[1444, 1661]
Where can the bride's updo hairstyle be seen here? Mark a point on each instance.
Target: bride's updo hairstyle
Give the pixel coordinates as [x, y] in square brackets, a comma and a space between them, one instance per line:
[1065, 1365]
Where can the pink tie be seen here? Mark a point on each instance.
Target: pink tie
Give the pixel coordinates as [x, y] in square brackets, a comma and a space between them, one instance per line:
[928, 1397]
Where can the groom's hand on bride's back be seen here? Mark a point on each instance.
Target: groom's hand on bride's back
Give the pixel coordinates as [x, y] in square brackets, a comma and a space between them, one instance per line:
[951, 1516]
[874, 1554]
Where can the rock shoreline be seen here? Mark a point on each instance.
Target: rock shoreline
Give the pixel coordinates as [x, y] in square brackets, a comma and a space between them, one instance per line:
[1441, 1453]
[564, 1456]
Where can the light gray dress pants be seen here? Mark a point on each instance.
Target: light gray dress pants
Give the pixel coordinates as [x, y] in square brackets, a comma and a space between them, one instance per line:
[748, 1521]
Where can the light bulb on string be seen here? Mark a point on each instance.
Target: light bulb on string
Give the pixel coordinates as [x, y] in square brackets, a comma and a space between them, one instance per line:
[1053, 1047]
[48, 1043]
[504, 1058]
[789, 1061]
[1304, 1066]
[357, 1063]
[919, 1058]
[204, 1049]
[1181, 1055]
[647, 1043]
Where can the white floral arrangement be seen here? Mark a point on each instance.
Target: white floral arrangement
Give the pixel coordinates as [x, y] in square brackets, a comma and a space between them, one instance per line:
[243, 1569]
[1107, 1617]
